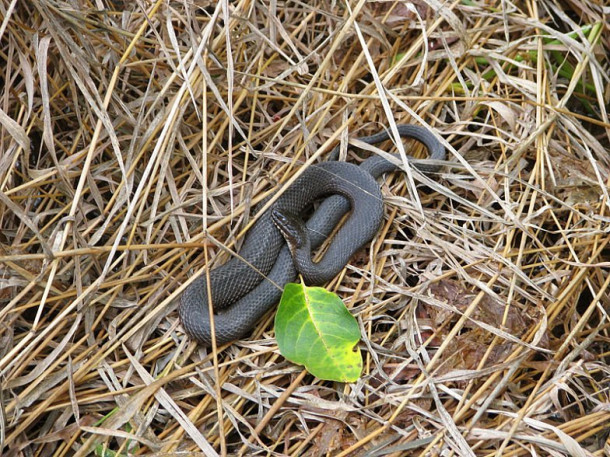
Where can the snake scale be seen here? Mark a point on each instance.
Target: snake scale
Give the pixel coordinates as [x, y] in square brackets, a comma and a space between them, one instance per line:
[247, 286]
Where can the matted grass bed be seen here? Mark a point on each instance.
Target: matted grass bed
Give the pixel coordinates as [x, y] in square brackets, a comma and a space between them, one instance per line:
[135, 139]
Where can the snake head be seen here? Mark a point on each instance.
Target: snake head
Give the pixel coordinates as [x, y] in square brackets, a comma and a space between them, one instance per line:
[292, 229]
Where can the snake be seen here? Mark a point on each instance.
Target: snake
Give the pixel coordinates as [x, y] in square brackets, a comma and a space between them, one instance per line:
[279, 244]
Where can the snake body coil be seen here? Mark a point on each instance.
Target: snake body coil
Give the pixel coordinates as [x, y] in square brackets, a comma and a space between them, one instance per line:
[242, 295]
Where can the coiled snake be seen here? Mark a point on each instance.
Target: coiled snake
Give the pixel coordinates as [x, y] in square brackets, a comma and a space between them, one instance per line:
[241, 295]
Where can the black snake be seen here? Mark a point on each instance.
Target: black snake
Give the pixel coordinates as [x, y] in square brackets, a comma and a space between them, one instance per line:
[246, 287]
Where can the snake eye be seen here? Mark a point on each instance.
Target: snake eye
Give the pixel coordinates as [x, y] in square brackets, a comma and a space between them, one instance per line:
[279, 218]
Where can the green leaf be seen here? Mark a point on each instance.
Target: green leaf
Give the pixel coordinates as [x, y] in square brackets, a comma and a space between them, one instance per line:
[314, 328]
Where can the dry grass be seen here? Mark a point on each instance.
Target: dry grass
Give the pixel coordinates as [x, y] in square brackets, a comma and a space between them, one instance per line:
[483, 302]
